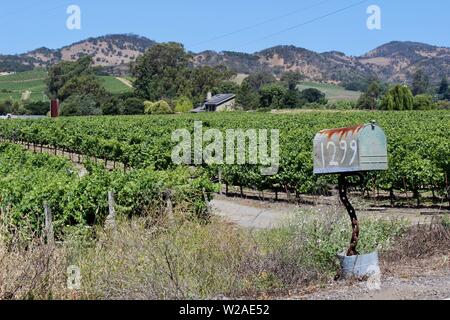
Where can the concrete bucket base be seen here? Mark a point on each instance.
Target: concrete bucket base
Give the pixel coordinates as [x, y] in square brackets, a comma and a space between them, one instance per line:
[359, 266]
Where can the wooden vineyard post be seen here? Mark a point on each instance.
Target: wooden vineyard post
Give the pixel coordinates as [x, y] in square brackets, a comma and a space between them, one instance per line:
[111, 218]
[49, 235]
[447, 186]
[220, 181]
[169, 206]
[208, 206]
[392, 197]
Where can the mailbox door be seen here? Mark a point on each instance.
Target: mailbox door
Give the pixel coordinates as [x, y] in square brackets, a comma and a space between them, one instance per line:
[373, 149]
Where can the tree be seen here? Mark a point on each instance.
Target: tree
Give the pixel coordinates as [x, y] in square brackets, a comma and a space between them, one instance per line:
[443, 87]
[133, 106]
[6, 107]
[388, 102]
[421, 83]
[80, 105]
[444, 90]
[292, 99]
[256, 80]
[159, 107]
[272, 96]
[111, 106]
[37, 108]
[292, 79]
[82, 85]
[162, 72]
[399, 98]
[424, 102]
[206, 79]
[183, 104]
[369, 99]
[226, 87]
[313, 95]
[447, 95]
[63, 72]
[15, 107]
[247, 98]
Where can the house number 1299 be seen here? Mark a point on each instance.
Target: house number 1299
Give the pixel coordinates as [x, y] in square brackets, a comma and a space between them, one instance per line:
[332, 150]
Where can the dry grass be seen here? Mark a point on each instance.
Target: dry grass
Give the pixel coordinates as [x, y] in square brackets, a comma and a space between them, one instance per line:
[186, 261]
[32, 271]
[180, 259]
[421, 241]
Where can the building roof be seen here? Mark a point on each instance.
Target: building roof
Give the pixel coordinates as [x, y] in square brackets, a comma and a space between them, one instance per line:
[199, 109]
[219, 99]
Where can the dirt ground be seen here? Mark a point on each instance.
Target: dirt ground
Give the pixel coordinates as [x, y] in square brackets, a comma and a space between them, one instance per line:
[427, 279]
[255, 214]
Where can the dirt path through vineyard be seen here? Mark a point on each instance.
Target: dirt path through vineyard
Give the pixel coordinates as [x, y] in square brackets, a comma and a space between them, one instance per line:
[256, 214]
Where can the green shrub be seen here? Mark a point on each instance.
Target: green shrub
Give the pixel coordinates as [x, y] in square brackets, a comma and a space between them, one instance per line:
[424, 102]
[446, 221]
[183, 104]
[38, 108]
[315, 239]
[443, 105]
[133, 106]
[159, 107]
[341, 105]
[80, 105]
[313, 95]
[398, 98]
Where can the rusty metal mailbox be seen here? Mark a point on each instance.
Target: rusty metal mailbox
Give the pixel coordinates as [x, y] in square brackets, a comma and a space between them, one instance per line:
[355, 149]
[350, 152]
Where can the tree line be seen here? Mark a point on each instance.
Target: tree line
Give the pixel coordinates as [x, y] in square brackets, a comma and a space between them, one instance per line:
[167, 81]
[420, 95]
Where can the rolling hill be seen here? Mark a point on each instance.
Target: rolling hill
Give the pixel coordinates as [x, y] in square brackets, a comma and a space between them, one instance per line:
[391, 62]
[333, 92]
[31, 85]
[107, 51]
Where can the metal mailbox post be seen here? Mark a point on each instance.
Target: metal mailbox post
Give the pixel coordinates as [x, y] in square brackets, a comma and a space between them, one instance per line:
[350, 152]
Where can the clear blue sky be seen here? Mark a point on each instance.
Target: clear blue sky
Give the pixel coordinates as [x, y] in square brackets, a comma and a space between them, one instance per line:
[324, 25]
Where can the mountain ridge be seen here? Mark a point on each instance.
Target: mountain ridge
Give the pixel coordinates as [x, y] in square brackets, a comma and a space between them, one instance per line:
[395, 61]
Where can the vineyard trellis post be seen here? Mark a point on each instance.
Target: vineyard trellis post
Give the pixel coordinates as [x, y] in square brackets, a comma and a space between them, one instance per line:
[48, 230]
[447, 186]
[169, 206]
[207, 203]
[220, 181]
[111, 218]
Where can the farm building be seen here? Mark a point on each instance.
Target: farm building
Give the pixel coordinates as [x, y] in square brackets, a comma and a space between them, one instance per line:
[220, 102]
